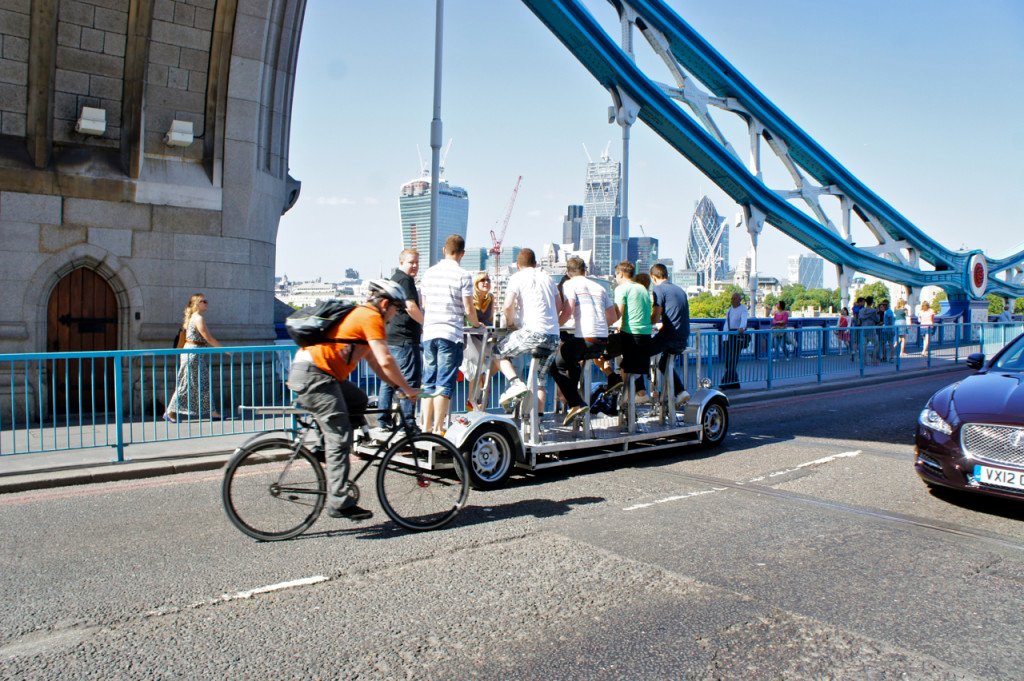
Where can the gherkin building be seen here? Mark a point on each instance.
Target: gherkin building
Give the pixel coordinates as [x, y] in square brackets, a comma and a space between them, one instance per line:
[707, 251]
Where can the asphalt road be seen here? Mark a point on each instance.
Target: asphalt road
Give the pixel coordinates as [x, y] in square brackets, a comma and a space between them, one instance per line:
[804, 548]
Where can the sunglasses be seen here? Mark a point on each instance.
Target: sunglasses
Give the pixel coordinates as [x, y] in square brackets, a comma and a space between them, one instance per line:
[205, 301]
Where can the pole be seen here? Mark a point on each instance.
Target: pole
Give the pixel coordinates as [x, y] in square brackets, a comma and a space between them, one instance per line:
[435, 131]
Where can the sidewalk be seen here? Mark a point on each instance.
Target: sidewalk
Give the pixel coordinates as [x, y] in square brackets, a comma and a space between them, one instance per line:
[42, 470]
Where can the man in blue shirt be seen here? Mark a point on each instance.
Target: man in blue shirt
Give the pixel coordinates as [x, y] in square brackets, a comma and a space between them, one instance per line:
[671, 307]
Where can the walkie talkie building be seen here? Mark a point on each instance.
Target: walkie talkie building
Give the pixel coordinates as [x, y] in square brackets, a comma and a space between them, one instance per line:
[600, 228]
[707, 251]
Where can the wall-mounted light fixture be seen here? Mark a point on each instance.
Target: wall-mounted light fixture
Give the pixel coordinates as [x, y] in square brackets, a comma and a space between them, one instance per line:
[180, 134]
[92, 121]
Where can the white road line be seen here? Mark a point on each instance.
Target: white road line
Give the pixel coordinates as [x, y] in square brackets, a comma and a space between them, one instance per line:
[305, 581]
[816, 462]
[675, 498]
[775, 474]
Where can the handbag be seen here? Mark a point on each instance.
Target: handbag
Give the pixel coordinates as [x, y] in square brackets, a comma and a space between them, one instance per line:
[179, 340]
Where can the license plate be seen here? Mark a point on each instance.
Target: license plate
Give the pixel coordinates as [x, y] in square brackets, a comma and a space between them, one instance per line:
[999, 477]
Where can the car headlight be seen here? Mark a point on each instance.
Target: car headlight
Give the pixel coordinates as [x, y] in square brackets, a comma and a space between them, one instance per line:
[930, 418]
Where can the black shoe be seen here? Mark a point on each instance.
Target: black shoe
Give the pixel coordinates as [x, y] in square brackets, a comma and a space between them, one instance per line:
[354, 513]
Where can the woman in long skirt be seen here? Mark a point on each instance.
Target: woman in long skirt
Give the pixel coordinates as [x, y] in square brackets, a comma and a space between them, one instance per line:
[191, 396]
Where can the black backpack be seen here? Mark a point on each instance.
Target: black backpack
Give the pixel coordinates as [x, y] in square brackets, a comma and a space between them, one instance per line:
[309, 326]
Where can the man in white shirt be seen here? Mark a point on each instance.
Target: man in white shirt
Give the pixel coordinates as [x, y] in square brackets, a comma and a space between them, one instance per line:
[531, 296]
[447, 293]
[589, 305]
[736, 326]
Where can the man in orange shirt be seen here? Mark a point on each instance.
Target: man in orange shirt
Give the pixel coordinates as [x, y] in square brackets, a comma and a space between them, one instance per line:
[319, 377]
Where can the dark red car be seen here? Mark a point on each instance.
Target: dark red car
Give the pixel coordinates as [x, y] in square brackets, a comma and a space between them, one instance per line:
[970, 435]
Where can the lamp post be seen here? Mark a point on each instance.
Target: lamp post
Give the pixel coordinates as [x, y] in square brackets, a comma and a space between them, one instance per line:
[435, 130]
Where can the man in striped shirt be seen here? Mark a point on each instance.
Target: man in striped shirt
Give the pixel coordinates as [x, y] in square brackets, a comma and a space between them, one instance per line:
[447, 293]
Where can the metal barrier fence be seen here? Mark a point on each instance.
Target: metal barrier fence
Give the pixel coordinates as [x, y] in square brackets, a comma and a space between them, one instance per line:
[65, 401]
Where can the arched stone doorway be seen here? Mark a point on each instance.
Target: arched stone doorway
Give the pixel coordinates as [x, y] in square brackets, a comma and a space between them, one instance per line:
[82, 315]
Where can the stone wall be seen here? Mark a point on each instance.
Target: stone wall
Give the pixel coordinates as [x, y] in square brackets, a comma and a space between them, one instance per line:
[158, 223]
[14, 36]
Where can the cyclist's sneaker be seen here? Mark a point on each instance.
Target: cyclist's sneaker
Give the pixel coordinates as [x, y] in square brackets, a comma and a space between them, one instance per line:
[350, 512]
[513, 392]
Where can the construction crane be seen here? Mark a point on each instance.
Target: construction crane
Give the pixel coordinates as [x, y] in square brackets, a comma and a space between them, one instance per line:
[497, 239]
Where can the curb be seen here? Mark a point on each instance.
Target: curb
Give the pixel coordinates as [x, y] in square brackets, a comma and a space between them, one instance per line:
[737, 399]
[114, 472]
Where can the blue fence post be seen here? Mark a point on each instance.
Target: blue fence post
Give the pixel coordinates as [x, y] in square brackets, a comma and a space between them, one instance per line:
[118, 413]
[821, 352]
[771, 358]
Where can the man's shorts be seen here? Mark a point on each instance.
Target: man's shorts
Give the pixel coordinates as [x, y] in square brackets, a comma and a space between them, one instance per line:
[521, 342]
[635, 351]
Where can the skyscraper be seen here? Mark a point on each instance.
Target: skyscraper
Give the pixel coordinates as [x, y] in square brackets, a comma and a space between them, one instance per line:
[707, 251]
[642, 251]
[807, 270]
[571, 226]
[414, 207]
[600, 227]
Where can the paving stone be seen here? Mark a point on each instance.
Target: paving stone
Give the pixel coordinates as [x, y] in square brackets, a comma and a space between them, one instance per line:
[15, 48]
[94, 213]
[13, 98]
[117, 241]
[92, 39]
[56, 238]
[111, 20]
[14, 23]
[76, 12]
[34, 208]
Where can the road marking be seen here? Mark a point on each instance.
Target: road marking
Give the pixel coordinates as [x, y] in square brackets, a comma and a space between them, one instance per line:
[280, 586]
[775, 474]
[816, 462]
[675, 498]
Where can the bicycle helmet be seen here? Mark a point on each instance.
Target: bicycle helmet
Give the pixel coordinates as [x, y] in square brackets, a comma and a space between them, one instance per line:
[387, 289]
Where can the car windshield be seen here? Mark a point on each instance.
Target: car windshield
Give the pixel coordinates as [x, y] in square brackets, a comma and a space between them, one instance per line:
[1013, 358]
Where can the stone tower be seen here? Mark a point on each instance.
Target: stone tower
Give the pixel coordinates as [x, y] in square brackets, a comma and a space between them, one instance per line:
[143, 157]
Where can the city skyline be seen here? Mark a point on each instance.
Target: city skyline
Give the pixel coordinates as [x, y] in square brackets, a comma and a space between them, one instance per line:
[532, 114]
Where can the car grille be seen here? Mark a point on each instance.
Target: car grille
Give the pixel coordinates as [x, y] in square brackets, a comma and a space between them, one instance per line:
[999, 444]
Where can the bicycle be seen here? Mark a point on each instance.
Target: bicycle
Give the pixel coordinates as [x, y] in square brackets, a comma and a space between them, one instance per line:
[275, 487]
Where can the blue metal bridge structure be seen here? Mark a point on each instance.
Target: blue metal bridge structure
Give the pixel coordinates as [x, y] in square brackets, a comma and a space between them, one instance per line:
[706, 87]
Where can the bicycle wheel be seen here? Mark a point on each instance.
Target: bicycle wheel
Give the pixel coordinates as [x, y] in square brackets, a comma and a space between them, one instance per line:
[414, 496]
[271, 491]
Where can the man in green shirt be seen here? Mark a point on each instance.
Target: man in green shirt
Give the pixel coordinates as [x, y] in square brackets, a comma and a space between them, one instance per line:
[634, 304]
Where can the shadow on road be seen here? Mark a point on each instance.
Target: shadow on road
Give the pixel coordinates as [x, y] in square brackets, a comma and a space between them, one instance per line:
[1004, 508]
[474, 514]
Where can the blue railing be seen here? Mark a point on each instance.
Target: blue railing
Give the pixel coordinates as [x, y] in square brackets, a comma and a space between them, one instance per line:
[65, 401]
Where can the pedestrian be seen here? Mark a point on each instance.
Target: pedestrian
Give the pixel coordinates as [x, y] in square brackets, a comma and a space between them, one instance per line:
[867, 323]
[447, 303]
[191, 397]
[483, 302]
[670, 308]
[1005, 316]
[780, 320]
[900, 319]
[588, 305]
[843, 332]
[855, 338]
[403, 334]
[736, 339]
[885, 339]
[532, 297]
[926, 318]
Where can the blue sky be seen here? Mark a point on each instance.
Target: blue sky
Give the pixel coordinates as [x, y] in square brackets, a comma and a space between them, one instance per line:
[920, 99]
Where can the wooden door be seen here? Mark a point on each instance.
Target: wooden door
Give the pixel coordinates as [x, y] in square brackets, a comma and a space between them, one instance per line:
[81, 316]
